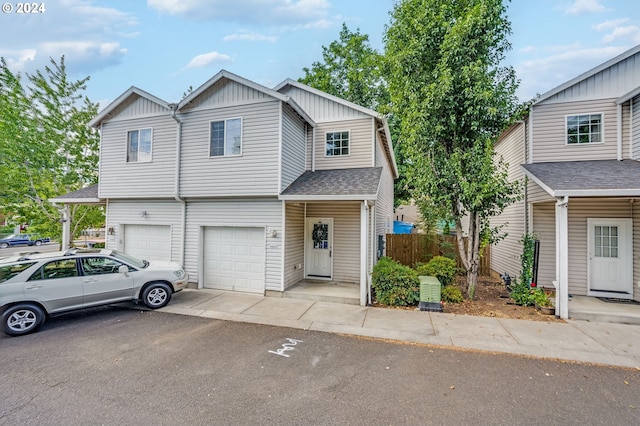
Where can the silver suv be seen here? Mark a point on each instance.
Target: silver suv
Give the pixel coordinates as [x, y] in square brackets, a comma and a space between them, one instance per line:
[37, 285]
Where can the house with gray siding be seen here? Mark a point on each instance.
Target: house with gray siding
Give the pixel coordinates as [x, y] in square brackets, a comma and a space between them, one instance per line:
[252, 189]
[579, 151]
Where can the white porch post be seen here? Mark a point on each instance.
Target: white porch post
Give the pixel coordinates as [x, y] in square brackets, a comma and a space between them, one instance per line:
[66, 227]
[562, 258]
[364, 221]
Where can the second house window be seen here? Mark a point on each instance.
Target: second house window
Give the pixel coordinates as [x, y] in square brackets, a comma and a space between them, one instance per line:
[139, 146]
[226, 137]
[337, 144]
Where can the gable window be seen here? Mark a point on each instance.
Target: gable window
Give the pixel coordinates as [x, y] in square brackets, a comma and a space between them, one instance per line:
[337, 143]
[139, 146]
[586, 128]
[225, 137]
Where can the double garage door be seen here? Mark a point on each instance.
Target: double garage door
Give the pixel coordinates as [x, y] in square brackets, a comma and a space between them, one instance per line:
[234, 258]
[150, 242]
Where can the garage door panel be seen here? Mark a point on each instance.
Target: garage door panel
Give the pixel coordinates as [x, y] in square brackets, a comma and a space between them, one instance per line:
[148, 241]
[234, 258]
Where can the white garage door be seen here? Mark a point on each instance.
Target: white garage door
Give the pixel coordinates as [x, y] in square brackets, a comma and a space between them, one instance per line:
[148, 241]
[234, 258]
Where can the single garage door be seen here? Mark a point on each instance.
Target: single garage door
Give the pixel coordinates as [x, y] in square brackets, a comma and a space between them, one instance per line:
[234, 258]
[150, 242]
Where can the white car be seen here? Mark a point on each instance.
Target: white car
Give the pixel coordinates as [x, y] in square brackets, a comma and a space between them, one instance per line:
[37, 285]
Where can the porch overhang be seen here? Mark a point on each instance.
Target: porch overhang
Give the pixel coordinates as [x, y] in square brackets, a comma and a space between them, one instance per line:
[84, 196]
[595, 178]
[359, 184]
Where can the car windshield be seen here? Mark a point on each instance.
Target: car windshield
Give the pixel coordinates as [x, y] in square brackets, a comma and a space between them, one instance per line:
[139, 263]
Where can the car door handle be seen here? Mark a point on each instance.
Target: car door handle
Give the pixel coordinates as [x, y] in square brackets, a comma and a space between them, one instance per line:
[34, 286]
[90, 281]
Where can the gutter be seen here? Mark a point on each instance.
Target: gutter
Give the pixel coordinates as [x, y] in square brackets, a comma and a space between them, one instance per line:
[176, 194]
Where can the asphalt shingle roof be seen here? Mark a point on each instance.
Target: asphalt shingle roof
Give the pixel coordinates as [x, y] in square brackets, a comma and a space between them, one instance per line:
[566, 177]
[89, 192]
[361, 182]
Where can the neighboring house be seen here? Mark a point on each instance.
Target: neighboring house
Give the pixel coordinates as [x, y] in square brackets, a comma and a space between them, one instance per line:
[579, 149]
[252, 189]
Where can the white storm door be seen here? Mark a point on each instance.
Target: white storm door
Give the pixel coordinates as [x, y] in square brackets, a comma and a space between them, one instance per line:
[610, 252]
[319, 247]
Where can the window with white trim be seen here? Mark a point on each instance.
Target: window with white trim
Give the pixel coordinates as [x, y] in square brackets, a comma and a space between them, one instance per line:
[337, 143]
[139, 145]
[225, 137]
[584, 128]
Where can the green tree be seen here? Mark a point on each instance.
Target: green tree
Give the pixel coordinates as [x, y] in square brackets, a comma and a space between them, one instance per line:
[453, 99]
[47, 148]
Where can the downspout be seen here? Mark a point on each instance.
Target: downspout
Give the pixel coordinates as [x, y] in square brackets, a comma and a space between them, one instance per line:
[176, 194]
[619, 130]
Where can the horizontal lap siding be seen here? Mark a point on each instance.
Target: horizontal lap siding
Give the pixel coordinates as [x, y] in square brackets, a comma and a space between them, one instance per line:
[549, 132]
[293, 147]
[225, 212]
[294, 245]
[635, 149]
[535, 194]
[346, 237]
[384, 203]
[120, 179]
[360, 144]
[636, 251]
[544, 228]
[505, 255]
[255, 172]
[120, 213]
[579, 211]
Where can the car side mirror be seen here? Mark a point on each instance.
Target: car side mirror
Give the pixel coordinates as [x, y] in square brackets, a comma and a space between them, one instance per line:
[123, 269]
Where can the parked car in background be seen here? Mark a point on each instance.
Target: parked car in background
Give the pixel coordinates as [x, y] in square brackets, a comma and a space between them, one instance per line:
[22, 240]
[38, 285]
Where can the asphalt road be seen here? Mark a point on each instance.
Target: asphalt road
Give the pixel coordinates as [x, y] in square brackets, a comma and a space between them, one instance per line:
[123, 366]
[44, 248]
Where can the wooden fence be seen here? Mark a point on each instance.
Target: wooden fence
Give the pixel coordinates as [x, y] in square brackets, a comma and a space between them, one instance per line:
[410, 249]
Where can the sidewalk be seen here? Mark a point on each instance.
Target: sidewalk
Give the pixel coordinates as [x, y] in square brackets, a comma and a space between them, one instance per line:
[581, 341]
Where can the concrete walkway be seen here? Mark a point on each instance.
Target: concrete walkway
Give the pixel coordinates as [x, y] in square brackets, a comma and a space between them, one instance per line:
[575, 340]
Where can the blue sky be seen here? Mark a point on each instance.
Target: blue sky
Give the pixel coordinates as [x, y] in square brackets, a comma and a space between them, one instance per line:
[165, 46]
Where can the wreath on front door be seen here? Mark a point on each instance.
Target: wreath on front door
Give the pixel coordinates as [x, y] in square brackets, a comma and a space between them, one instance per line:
[320, 233]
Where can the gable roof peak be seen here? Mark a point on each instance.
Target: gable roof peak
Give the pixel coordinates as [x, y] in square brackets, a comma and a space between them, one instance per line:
[133, 90]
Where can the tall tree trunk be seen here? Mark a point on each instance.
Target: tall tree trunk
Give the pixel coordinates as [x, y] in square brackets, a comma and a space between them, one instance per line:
[473, 249]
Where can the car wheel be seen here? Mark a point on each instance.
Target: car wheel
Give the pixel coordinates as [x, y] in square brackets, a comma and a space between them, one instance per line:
[22, 319]
[38, 243]
[156, 295]
[4, 245]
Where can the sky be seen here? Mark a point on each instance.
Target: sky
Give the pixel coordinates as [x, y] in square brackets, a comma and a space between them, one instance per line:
[166, 46]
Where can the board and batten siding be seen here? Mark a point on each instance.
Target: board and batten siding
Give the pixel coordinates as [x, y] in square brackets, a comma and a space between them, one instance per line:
[254, 173]
[321, 108]
[549, 132]
[122, 179]
[136, 107]
[226, 92]
[262, 213]
[360, 144]
[635, 131]
[294, 244]
[506, 254]
[158, 212]
[293, 146]
[346, 237]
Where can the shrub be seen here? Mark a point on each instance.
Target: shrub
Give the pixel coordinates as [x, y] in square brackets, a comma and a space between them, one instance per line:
[395, 284]
[440, 267]
[452, 294]
[522, 294]
[540, 297]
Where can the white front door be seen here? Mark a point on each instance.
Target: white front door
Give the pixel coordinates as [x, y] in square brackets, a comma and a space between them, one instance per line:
[610, 267]
[319, 247]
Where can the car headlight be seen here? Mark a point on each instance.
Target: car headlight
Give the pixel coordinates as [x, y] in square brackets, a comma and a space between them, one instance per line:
[179, 274]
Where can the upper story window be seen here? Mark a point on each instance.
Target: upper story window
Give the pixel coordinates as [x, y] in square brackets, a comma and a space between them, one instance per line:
[586, 128]
[139, 146]
[337, 143]
[225, 137]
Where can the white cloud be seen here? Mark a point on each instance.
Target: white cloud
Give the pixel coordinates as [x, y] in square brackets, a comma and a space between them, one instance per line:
[265, 12]
[610, 24]
[584, 6]
[631, 32]
[18, 59]
[249, 36]
[207, 59]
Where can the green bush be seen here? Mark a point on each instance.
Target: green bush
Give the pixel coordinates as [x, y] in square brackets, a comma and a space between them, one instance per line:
[395, 284]
[452, 294]
[440, 267]
[522, 294]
